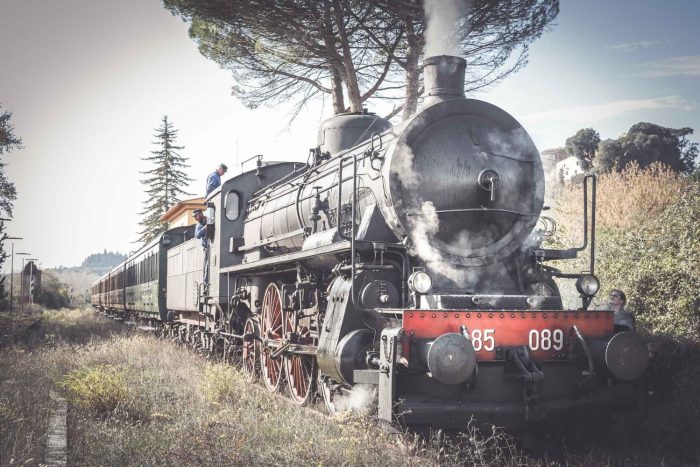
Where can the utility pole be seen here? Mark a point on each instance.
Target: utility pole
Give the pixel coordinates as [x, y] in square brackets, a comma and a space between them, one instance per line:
[12, 267]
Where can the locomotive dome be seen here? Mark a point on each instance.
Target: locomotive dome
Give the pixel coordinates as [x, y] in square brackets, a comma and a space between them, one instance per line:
[464, 175]
[344, 131]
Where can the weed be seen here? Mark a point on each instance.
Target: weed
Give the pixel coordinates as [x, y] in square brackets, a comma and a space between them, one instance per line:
[221, 383]
[99, 389]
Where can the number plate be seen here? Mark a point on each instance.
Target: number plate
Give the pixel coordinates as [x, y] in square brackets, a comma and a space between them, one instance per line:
[545, 333]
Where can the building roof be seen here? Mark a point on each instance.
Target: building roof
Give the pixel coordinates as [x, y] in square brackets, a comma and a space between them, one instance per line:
[555, 153]
[181, 207]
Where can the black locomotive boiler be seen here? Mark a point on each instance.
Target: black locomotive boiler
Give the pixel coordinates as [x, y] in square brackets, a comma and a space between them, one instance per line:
[399, 263]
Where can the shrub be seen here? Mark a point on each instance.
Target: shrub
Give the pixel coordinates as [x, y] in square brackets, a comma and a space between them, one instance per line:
[624, 199]
[647, 243]
[99, 389]
[221, 383]
[52, 293]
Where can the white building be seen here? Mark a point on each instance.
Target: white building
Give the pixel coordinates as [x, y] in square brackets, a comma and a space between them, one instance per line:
[568, 170]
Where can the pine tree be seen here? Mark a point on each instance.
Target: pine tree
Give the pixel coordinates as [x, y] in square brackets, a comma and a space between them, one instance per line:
[165, 182]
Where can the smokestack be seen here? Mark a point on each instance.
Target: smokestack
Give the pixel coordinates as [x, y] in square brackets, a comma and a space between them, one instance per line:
[443, 77]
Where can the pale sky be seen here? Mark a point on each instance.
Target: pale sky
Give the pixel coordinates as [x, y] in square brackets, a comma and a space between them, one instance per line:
[88, 81]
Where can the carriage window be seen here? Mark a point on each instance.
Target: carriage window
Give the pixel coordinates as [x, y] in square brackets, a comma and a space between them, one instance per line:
[232, 205]
[155, 267]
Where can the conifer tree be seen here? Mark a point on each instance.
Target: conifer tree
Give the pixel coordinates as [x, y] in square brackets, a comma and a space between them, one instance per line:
[165, 182]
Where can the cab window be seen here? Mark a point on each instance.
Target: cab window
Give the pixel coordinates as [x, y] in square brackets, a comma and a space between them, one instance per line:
[232, 205]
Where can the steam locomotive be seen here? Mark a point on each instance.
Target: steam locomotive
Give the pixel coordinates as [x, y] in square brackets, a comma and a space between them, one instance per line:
[401, 263]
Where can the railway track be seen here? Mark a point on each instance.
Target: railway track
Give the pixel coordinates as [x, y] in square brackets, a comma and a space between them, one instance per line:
[14, 326]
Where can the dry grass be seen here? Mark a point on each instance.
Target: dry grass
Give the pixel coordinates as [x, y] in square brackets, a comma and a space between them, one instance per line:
[623, 199]
[137, 400]
[26, 379]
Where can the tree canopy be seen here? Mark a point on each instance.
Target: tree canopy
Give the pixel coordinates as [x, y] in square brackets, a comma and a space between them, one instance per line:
[646, 143]
[8, 142]
[583, 146]
[164, 182]
[352, 50]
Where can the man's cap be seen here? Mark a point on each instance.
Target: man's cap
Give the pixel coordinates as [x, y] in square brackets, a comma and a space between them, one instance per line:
[196, 211]
[223, 166]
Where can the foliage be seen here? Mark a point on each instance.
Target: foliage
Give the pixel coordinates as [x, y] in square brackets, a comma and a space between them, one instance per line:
[647, 244]
[79, 280]
[624, 199]
[8, 140]
[164, 182]
[353, 48]
[657, 262]
[53, 293]
[583, 146]
[99, 389]
[221, 383]
[8, 143]
[646, 143]
[3, 256]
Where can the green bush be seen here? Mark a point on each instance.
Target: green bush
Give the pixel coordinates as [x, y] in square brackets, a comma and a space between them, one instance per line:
[647, 244]
[53, 293]
[658, 265]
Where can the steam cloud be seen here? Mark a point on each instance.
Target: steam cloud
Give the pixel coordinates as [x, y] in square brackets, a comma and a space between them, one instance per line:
[444, 23]
[359, 399]
[424, 228]
[425, 224]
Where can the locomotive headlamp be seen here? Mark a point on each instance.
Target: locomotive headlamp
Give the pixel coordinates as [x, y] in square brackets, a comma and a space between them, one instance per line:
[420, 282]
[588, 285]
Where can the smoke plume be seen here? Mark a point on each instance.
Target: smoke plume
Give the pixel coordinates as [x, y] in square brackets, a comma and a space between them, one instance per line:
[445, 19]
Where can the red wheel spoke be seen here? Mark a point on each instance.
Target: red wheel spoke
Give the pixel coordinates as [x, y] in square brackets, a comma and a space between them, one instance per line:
[272, 324]
[300, 369]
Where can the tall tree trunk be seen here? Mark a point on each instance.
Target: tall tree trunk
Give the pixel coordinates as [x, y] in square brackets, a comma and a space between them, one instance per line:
[351, 84]
[335, 64]
[337, 92]
[415, 48]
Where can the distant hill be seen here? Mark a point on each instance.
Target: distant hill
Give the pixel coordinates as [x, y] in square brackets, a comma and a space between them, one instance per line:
[102, 263]
[80, 278]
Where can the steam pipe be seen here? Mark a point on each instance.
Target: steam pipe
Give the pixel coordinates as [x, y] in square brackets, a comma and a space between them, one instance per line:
[340, 200]
[352, 233]
[593, 209]
[585, 215]
[587, 352]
